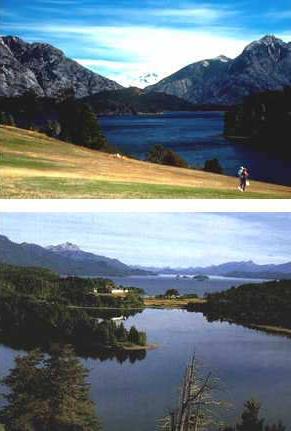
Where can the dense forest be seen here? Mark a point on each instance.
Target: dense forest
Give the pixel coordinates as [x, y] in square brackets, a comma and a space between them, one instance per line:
[63, 118]
[38, 308]
[263, 118]
[266, 303]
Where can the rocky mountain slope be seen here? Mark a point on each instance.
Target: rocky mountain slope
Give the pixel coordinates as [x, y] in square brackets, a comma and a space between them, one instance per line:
[45, 70]
[263, 65]
[73, 252]
[66, 259]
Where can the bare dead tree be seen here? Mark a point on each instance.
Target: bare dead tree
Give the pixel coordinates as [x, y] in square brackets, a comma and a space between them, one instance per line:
[198, 407]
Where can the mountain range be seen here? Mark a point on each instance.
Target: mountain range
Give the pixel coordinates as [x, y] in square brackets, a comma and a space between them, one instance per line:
[243, 269]
[69, 259]
[44, 70]
[66, 259]
[263, 65]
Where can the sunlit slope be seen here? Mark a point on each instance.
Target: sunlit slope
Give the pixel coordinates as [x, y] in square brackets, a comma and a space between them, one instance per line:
[36, 166]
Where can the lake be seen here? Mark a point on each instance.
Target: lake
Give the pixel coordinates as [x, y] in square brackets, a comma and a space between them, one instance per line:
[156, 285]
[133, 396]
[197, 137]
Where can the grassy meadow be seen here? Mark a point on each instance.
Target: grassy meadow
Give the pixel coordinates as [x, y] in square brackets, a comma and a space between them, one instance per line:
[36, 166]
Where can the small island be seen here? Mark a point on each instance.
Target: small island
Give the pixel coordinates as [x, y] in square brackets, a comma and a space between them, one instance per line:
[200, 277]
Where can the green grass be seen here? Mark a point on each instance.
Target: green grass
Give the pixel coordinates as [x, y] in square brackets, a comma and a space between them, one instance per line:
[18, 161]
[79, 188]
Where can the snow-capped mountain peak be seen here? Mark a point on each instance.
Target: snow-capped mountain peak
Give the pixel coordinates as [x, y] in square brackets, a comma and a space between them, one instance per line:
[223, 58]
[67, 246]
[145, 79]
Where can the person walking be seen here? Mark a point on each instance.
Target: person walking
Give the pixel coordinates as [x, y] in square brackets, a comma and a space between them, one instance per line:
[239, 174]
[243, 175]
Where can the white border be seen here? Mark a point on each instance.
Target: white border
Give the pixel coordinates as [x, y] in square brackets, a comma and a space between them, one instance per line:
[144, 205]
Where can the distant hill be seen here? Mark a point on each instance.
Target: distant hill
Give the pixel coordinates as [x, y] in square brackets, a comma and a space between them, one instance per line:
[65, 259]
[243, 269]
[250, 269]
[263, 65]
[134, 100]
[44, 70]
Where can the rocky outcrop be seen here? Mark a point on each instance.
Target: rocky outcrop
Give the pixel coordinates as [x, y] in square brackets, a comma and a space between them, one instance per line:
[263, 65]
[45, 70]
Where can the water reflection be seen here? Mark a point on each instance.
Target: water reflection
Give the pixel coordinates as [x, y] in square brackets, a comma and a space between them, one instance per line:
[19, 340]
[133, 390]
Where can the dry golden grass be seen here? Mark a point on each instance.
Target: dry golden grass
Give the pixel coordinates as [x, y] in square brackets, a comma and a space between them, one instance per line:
[171, 302]
[36, 166]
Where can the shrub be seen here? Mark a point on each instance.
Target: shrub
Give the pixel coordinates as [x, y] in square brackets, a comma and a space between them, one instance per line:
[164, 156]
[214, 166]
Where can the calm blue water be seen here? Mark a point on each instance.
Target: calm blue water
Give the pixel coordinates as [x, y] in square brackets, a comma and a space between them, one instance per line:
[133, 396]
[196, 136]
[156, 285]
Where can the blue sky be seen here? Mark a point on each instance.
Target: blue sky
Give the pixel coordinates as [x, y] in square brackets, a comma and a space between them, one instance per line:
[160, 239]
[123, 39]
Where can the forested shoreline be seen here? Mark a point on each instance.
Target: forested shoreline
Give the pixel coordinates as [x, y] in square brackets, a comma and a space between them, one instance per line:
[263, 119]
[39, 308]
[263, 304]
[64, 118]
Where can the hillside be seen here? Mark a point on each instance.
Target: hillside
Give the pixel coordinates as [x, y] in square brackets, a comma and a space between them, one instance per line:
[133, 100]
[62, 259]
[263, 65]
[36, 166]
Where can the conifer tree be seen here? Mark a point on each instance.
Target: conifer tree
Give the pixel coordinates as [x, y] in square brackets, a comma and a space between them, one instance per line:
[133, 335]
[250, 417]
[68, 393]
[25, 402]
[3, 118]
[48, 393]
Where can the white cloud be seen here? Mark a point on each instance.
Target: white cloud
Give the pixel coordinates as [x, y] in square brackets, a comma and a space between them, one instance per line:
[202, 14]
[146, 49]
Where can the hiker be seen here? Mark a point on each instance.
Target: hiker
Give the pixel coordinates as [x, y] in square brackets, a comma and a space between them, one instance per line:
[239, 174]
[243, 174]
